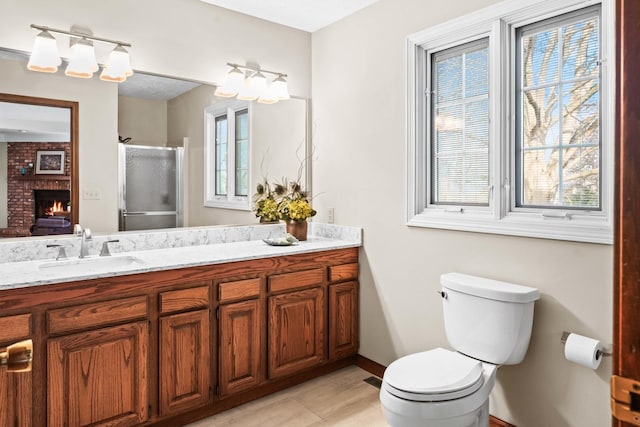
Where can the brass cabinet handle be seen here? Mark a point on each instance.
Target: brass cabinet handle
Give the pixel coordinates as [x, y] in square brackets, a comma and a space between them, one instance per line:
[18, 357]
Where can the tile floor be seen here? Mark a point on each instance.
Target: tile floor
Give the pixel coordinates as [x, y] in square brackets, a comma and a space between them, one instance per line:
[340, 398]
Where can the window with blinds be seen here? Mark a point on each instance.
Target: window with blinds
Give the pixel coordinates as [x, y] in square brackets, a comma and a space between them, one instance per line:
[460, 125]
[227, 162]
[558, 113]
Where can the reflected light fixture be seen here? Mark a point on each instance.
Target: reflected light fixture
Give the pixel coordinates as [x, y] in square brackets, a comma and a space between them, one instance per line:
[83, 63]
[252, 84]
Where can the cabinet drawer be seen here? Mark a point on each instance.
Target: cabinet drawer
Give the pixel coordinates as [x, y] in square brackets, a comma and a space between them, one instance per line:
[300, 279]
[96, 314]
[15, 327]
[343, 272]
[239, 290]
[184, 299]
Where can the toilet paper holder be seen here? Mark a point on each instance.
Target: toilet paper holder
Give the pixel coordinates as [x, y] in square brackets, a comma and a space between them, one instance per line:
[599, 354]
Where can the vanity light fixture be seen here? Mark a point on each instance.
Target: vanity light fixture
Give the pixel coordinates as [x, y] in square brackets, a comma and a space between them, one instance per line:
[252, 84]
[83, 63]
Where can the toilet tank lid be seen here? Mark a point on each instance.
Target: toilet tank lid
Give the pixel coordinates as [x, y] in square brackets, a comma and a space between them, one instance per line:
[489, 288]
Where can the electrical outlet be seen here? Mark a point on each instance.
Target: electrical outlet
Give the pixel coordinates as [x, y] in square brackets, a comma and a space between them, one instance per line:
[91, 194]
[331, 218]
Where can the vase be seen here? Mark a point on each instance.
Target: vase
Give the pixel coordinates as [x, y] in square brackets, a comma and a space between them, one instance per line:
[297, 229]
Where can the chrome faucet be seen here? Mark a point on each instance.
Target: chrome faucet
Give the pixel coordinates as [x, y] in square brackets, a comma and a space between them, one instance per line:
[85, 234]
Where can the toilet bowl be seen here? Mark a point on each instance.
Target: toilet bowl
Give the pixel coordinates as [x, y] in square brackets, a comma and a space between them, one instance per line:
[437, 388]
[488, 323]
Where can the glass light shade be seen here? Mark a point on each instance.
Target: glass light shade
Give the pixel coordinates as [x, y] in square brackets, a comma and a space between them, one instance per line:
[225, 92]
[44, 57]
[232, 84]
[258, 83]
[118, 66]
[280, 88]
[268, 96]
[247, 92]
[83, 60]
[234, 80]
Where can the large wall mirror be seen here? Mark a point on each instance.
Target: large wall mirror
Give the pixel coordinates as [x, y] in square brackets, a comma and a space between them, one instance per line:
[152, 110]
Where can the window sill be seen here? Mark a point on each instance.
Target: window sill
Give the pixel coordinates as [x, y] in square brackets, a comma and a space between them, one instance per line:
[588, 230]
[240, 204]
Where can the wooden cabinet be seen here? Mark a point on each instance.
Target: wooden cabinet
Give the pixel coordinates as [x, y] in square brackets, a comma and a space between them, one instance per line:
[99, 378]
[15, 387]
[295, 325]
[343, 320]
[185, 349]
[150, 348]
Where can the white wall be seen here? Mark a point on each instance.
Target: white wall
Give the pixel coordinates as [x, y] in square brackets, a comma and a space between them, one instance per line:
[143, 120]
[181, 38]
[359, 169]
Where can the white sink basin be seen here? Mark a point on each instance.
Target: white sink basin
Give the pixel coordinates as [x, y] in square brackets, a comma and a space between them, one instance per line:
[89, 264]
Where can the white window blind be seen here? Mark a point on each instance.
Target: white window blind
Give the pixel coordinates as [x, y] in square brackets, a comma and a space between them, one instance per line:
[242, 153]
[221, 154]
[460, 125]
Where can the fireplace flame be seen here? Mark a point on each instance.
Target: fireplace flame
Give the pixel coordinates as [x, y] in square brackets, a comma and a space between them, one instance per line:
[54, 208]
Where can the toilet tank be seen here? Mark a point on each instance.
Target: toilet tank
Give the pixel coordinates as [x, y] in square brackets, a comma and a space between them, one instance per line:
[487, 319]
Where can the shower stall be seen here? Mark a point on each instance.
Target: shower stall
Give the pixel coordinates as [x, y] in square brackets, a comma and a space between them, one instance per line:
[150, 187]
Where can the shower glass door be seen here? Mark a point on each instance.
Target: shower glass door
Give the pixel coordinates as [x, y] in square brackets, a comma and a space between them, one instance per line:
[150, 187]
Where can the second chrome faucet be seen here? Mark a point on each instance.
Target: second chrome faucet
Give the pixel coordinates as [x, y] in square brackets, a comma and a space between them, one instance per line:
[85, 235]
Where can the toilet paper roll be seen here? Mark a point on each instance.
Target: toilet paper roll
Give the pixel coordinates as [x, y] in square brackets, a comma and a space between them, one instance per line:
[583, 351]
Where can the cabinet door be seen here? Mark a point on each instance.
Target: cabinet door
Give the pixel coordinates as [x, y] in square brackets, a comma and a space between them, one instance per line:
[343, 320]
[185, 373]
[99, 378]
[240, 350]
[15, 387]
[296, 323]
[15, 399]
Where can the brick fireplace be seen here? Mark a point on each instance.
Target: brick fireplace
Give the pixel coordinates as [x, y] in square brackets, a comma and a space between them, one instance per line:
[21, 189]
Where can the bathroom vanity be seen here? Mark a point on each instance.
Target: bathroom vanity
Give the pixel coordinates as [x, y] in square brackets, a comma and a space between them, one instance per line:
[148, 344]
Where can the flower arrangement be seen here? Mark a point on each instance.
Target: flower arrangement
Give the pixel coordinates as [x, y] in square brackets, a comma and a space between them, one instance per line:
[294, 203]
[286, 201]
[265, 205]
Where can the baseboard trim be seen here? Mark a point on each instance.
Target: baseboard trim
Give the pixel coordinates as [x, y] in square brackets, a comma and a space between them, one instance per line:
[378, 370]
[370, 366]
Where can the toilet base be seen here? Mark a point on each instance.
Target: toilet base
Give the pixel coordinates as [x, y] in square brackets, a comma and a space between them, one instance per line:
[477, 418]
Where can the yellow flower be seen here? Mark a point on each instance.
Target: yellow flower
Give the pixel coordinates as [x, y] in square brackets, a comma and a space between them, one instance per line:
[296, 209]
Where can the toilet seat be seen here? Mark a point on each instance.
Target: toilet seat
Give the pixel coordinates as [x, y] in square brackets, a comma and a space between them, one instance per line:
[433, 376]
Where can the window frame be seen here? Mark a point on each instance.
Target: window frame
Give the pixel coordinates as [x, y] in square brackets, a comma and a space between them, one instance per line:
[229, 200]
[499, 24]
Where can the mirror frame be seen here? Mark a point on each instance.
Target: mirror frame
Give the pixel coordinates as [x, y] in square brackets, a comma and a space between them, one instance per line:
[74, 136]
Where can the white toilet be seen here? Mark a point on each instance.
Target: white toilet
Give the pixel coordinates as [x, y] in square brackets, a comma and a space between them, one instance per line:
[488, 323]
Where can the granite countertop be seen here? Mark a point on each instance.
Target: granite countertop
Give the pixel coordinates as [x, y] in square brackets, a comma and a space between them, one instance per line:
[21, 274]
